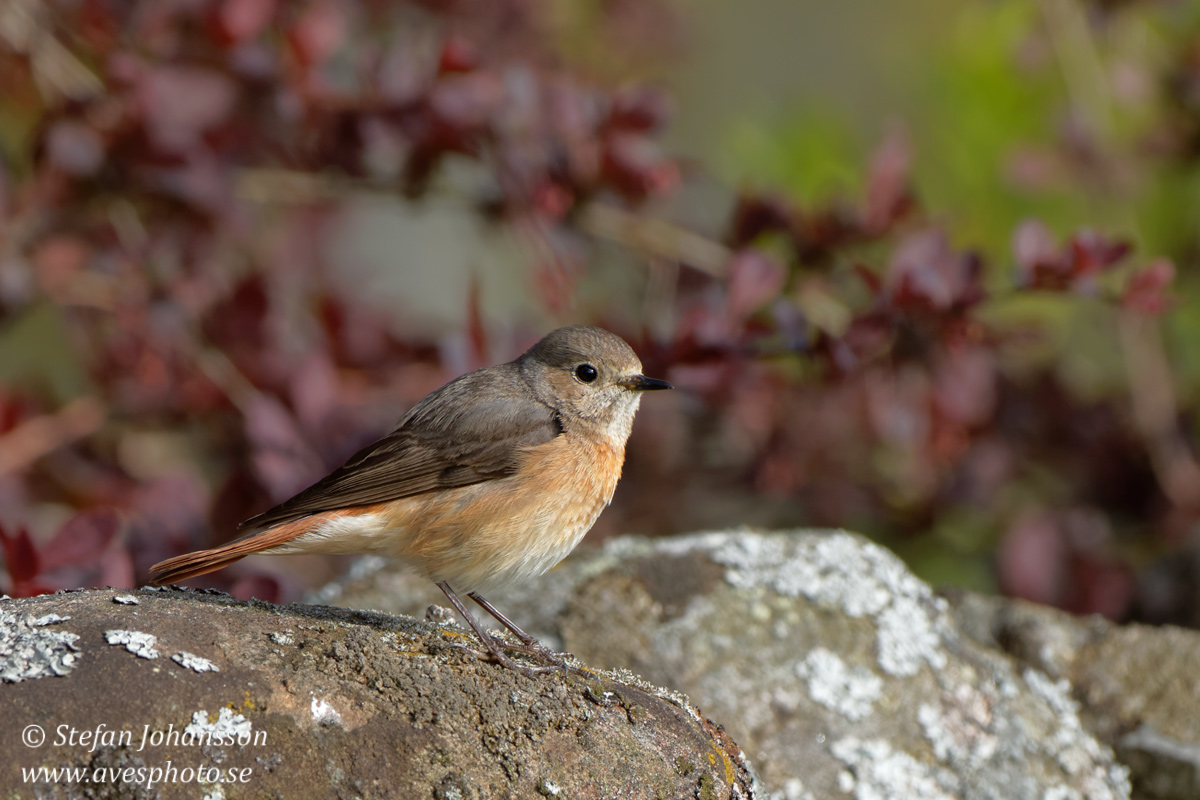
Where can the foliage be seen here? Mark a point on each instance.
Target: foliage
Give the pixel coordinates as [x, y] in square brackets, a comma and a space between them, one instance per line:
[175, 353]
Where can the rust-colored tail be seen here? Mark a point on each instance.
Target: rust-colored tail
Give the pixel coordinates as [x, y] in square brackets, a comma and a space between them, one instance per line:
[189, 565]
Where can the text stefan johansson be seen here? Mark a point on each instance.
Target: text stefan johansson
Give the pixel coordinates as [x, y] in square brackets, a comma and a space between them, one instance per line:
[103, 736]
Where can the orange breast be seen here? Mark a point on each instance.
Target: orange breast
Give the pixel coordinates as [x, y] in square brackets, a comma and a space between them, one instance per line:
[509, 530]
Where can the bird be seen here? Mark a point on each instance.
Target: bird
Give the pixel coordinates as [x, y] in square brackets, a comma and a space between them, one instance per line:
[486, 482]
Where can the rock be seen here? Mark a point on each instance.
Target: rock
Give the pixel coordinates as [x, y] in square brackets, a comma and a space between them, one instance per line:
[1137, 685]
[169, 693]
[839, 672]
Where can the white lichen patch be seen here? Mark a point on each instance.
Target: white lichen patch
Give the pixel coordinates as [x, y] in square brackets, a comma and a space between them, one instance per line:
[959, 729]
[126, 600]
[136, 642]
[844, 572]
[549, 789]
[194, 662]
[907, 637]
[324, 713]
[629, 678]
[793, 789]
[28, 650]
[282, 637]
[848, 691]
[228, 726]
[875, 771]
[1089, 763]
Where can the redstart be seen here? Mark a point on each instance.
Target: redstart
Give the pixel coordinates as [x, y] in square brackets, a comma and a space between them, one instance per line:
[490, 480]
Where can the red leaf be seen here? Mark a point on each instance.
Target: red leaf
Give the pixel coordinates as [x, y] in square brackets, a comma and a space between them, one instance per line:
[20, 557]
[1032, 559]
[283, 461]
[965, 385]
[116, 569]
[318, 33]
[457, 55]
[556, 283]
[168, 508]
[238, 20]
[552, 199]
[755, 215]
[1092, 253]
[1043, 265]
[754, 279]
[1103, 587]
[467, 102]
[868, 337]
[635, 168]
[889, 197]
[81, 539]
[925, 274]
[1034, 250]
[314, 388]
[239, 319]
[1146, 291]
[867, 276]
[360, 336]
[181, 103]
[641, 109]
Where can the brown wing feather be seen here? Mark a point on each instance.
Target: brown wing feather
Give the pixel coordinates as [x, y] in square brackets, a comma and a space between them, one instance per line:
[469, 431]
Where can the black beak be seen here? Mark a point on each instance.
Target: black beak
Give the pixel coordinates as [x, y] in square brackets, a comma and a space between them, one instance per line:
[640, 383]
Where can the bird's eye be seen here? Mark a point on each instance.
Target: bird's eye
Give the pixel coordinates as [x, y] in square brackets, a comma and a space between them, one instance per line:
[586, 373]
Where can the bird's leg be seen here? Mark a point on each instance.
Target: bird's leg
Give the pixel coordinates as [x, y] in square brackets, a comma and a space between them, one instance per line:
[525, 638]
[532, 645]
[492, 646]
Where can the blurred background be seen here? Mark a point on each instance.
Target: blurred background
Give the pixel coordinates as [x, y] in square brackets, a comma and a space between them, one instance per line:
[926, 271]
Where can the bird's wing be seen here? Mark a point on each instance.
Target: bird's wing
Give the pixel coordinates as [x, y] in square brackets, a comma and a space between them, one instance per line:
[474, 429]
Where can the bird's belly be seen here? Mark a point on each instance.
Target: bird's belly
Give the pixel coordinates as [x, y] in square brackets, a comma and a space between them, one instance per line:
[488, 534]
[507, 531]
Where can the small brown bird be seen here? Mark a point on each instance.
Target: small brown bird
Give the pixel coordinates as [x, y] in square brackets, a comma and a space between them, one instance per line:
[490, 480]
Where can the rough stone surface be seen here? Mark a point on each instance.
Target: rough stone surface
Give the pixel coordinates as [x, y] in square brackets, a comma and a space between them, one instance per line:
[839, 672]
[1137, 686]
[321, 702]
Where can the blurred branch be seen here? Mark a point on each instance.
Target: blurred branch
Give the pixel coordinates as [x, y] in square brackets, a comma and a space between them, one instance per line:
[655, 238]
[1152, 385]
[1082, 66]
[37, 437]
[290, 187]
[1156, 410]
[23, 26]
[219, 369]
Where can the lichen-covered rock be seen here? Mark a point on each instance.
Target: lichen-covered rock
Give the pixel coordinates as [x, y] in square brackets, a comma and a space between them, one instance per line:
[187, 694]
[839, 672]
[1137, 685]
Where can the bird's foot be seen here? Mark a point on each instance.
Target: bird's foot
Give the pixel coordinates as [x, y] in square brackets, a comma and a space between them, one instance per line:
[498, 655]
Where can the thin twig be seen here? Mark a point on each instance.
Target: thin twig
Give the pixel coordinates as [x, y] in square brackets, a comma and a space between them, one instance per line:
[655, 237]
[56, 71]
[1152, 385]
[40, 436]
